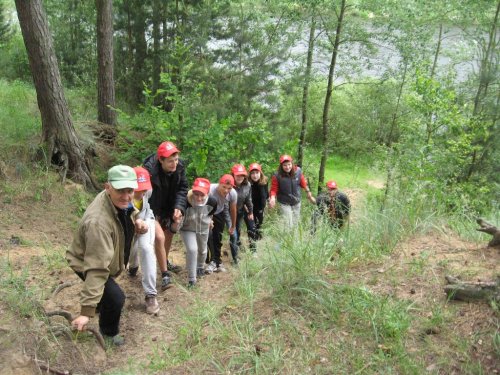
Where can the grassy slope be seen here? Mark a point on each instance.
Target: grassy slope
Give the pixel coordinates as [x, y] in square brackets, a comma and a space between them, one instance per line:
[360, 301]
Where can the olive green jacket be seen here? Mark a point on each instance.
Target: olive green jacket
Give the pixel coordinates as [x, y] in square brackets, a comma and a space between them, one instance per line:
[97, 250]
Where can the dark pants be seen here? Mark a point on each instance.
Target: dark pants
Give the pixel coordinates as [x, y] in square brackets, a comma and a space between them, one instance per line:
[215, 239]
[110, 307]
[250, 224]
[258, 217]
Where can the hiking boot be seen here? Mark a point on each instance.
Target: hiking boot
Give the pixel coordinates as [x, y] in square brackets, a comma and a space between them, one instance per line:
[172, 267]
[200, 272]
[211, 267]
[221, 268]
[132, 271]
[165, 282]
[152, 306]
[191, 284]
[115, 340]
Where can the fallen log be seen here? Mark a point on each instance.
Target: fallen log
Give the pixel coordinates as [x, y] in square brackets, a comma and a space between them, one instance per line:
[466, 291]
[490, 229]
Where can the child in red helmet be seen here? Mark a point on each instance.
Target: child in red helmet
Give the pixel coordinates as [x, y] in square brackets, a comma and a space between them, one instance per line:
[196, 226]
[226, 198]
[260, 195]
[285, 188]
[333, 204]
[143, 245]
[168, 201]
[244, 206]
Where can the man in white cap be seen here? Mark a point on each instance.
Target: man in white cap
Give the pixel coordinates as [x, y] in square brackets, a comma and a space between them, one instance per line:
[100, 251]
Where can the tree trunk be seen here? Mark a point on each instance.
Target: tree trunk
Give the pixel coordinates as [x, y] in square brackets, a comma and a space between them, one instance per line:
[490, 229]
[156, 47]
[328, 97]
[487, 66]
[394, 123]
[305, 91]
[470, 292]
[141, 50]
[105, 77]
[58, 133]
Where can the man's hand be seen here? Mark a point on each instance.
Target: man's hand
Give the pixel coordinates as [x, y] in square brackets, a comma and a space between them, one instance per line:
[80, 322]
[177, 215]
[250, 217]
[232, 229]
[140, 226]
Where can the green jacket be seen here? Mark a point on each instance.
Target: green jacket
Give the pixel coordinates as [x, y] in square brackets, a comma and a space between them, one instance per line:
[97, 250]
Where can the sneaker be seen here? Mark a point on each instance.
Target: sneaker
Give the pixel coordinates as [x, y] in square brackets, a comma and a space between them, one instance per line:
[200, 272]
[172, 267]
[165, 282]
[152, 306]
[191, 284]
[211, 267]
[132, 271]
[221, 268]
[115, 340]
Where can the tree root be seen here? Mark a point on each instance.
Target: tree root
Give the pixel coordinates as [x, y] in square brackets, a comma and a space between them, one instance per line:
[67, 315]
[490, 229]
[50, 370]
[61, 287]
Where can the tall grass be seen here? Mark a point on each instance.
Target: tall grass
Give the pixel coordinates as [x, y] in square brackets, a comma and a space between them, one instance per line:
[19, 117]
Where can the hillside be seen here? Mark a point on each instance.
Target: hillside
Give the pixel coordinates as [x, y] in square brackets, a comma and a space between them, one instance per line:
[228, 324]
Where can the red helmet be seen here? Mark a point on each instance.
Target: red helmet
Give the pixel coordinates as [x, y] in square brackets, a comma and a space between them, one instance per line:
[331, 185]
[284, 158]
[255, 166]
[202, 185]
[166, 149]
[143, 179]
[238, 170]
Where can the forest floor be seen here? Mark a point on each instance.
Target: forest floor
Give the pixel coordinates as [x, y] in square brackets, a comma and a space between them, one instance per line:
[37, 227]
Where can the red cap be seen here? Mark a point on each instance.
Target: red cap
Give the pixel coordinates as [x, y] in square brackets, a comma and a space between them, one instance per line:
[143, 179]
[284, 158]
[255, 166]
[239, 170]
[331, 184]
[202, 185]
[166, 149]
[227, 179]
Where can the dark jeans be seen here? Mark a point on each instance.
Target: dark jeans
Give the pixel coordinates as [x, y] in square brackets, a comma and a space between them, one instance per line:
[258, 217]
[110, 307]
[215, 239]
[250, 224]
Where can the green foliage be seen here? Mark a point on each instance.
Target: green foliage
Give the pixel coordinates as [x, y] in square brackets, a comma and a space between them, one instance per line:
[209, 144]
[19, 118]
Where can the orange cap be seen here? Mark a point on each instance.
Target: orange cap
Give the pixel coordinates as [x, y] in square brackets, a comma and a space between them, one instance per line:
[331, 185]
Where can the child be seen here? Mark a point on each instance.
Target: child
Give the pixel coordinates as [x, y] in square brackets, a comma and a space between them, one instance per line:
[223, 192]
[196, 227]
[335, 204]
[168, 201]
[260, 195]
[244, 206]
[143, 245]
[285, 187]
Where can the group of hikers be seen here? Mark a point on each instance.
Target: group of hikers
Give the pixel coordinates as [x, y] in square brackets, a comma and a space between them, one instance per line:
[132, 222]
